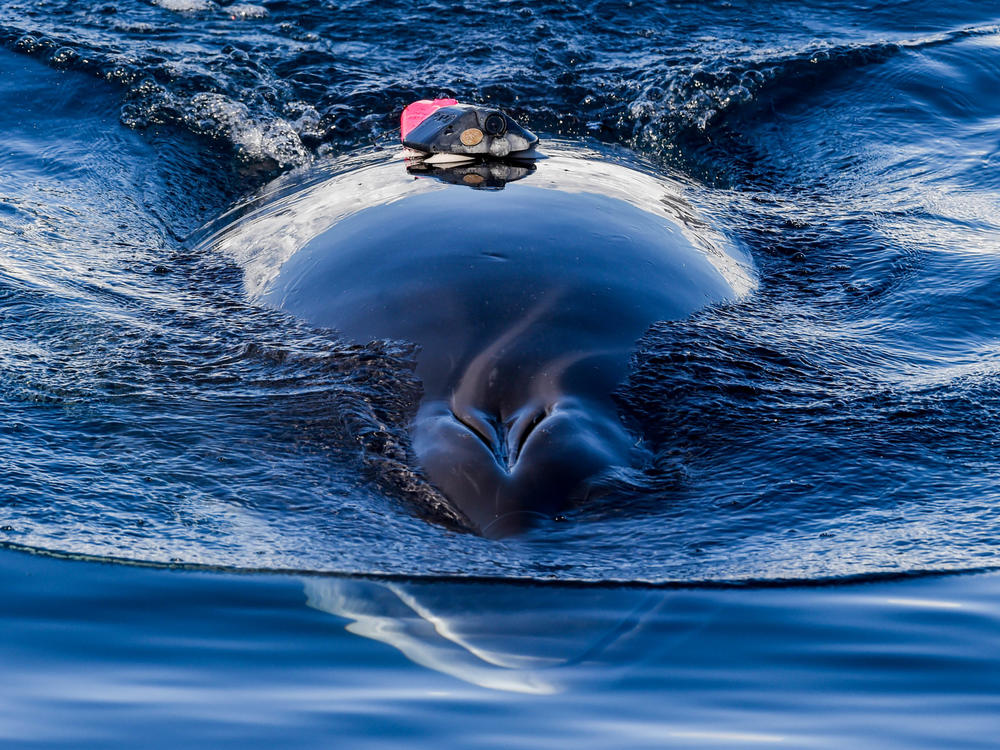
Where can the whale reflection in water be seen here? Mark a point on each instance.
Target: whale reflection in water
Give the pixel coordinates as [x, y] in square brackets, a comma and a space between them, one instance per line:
[516, 638]
[525, 299]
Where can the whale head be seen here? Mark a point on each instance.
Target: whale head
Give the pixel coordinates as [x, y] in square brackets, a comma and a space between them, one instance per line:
[525, 304]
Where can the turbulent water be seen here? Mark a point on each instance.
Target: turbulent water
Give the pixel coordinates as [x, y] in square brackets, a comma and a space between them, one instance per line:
[843, 420]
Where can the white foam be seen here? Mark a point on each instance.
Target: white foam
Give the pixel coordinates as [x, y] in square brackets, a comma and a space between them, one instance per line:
[185, 6]
[246, 11]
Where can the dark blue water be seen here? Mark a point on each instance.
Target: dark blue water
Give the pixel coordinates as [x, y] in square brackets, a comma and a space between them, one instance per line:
[839, 424]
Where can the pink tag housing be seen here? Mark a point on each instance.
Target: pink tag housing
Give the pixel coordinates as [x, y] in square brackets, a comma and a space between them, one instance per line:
[416, 113]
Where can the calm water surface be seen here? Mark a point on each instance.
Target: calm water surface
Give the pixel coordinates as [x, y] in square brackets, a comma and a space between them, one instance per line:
[831, 432]
[101, 655]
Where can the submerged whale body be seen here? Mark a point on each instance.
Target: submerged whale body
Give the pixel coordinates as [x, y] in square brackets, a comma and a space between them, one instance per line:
[525, 303]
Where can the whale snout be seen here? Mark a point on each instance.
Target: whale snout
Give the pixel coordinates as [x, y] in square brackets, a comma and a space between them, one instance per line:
[505, 475]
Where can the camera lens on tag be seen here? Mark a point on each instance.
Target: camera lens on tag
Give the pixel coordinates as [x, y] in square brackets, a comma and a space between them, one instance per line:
[494, 124]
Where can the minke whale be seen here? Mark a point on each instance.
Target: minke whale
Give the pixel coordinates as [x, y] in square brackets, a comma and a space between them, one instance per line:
[525, 297]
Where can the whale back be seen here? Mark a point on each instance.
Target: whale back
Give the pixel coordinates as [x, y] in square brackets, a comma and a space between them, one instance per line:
[507, 287]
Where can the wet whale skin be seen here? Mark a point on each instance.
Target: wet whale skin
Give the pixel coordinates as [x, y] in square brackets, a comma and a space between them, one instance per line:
[525, 304]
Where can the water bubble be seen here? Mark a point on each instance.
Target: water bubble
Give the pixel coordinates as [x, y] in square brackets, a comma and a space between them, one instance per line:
[63, 57]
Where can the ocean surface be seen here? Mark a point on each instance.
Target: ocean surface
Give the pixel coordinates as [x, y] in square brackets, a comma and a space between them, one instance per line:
[201, 546]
